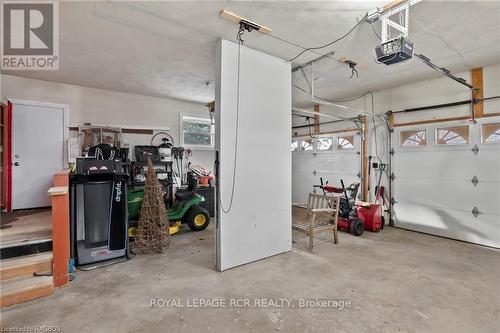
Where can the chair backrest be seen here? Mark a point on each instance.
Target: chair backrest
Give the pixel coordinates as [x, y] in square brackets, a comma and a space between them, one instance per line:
[318, 201]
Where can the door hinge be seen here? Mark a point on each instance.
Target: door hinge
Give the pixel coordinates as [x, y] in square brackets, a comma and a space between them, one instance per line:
[391, 130]
[474, 181]
[391, 151]
[393, 201]
[358, 175]
[475, 149]
[392, 177]
[475, 211]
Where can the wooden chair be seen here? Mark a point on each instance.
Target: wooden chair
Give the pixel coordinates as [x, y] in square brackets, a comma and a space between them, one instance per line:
[321, 215]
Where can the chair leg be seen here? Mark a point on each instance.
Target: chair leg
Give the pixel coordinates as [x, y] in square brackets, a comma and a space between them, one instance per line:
[335, 224]
[311, 233]
[311, 241]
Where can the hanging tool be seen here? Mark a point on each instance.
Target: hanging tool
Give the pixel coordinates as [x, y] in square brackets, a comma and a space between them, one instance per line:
[180, 151]
[379, 190]
[189, 153]
[175, 155]
[369, 175]
[165, 150]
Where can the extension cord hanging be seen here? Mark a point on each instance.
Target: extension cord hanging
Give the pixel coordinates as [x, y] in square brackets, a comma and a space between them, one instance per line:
[241, 41]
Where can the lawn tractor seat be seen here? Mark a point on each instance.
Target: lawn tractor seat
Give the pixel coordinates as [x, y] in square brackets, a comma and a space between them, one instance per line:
[191, 189]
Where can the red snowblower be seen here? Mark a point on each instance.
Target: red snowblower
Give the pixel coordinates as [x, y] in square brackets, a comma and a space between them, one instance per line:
[354, 216]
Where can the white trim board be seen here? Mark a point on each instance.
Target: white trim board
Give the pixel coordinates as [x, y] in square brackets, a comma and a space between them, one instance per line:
[152, 128]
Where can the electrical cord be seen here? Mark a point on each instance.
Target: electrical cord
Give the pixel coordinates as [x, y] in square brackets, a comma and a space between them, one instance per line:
[241, 41]
[375, 32]
[308, 119]
[330, 43]
[353, 72]
[335, 101]
[375, 128]
[239, 35]
[329, 56]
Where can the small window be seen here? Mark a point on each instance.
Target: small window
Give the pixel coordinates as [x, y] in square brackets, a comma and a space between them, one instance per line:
[295, 145]
[307, 144]
[490, 133]
[345, 142]
[412, 138]
[325, 143]
[197, 132]
[458, 135]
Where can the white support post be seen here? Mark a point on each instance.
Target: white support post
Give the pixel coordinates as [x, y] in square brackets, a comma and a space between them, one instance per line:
[387, 22]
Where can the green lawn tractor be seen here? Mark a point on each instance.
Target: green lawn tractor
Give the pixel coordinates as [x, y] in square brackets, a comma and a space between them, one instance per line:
[187, 208]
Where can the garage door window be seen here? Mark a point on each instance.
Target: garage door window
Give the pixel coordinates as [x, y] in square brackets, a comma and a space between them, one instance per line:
[307, 145]
[413, 138]
[345, 142]
[458, 135]
[490, 133]
[325, 143]
[295, 145]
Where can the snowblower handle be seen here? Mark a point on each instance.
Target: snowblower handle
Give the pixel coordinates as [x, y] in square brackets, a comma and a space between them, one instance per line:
[345, 193]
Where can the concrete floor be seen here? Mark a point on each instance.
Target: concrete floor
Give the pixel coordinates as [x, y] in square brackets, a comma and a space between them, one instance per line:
[396, 280]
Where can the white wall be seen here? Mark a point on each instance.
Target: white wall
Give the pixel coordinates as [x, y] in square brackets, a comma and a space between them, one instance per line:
[113, 108]
[428, 92]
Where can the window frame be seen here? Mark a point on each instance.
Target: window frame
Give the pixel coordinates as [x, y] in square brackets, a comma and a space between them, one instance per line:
[184, 117]
[313, 145]
[401, 145]
[338, 137]
[436, 137]
[331, 148]
[481, 134]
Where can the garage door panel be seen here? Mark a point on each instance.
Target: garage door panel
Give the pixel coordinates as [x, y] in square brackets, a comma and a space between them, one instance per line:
[483, 229]
[486, 164]
[301, 186]
[449, 193]
[303, 183]
[433, 164]
[325, 162]
[434, 193]
[332, 166]
[486, 196]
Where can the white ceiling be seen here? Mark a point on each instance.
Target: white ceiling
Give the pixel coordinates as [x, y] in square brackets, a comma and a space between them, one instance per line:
[167, 49]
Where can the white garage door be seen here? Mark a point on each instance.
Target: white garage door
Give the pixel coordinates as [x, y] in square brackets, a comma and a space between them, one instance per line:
[447, 180]
[341, 161]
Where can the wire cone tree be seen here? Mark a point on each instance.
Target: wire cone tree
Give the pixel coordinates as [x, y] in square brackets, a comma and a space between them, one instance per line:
[152, 231]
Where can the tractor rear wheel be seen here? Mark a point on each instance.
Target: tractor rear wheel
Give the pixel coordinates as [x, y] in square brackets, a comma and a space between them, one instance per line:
[198, 218]
[356, 227]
